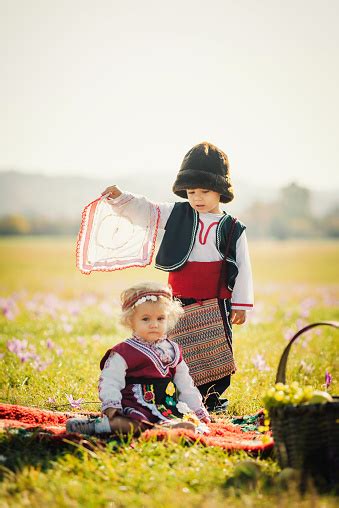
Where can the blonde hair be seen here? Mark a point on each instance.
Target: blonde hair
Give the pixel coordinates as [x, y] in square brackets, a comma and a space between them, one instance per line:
[163, 292]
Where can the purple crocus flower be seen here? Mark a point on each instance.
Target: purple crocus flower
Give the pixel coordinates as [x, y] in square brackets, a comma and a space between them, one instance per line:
[67, 327]
[17, 346]
[50, 344]
[74, 403]
[73, 307]
[24, 356]
[288, 334]
[308, 368]
[328, 379]
[9, 308]
[260, 363]
[40, 365]
[106, 308]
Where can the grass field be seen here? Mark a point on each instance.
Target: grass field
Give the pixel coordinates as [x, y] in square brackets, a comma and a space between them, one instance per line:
[56, 324]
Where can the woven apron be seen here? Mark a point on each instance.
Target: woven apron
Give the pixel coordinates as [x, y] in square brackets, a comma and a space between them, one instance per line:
[206, 344]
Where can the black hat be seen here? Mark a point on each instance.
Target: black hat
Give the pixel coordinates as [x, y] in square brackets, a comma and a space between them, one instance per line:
[204, 167]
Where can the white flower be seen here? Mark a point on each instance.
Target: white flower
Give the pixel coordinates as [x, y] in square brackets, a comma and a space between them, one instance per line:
[183, 408]
[202, 428]
[140, 301]
[144, 299]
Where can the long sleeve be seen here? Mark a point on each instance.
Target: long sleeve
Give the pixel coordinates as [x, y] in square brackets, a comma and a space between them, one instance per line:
[138, 208]
[189, 393]
[242, 296]
[112, 381]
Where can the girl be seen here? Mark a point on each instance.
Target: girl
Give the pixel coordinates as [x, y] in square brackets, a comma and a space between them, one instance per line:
[144, 380]
[203, 249]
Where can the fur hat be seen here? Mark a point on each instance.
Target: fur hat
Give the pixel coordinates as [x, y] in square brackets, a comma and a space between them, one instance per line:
[204, 167]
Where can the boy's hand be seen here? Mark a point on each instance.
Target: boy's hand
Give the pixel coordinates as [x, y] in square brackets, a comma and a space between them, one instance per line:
[238, 317]
[112, 192]
[110, 412]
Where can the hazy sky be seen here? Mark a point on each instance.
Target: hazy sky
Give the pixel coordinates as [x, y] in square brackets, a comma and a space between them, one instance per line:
[105, 87]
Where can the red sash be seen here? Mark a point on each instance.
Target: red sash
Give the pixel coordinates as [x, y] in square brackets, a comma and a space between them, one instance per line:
[198, 280]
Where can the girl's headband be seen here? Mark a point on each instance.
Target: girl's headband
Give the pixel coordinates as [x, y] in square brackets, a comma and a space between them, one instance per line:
[145, 296]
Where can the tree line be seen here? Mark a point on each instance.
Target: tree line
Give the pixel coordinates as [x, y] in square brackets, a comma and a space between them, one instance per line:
[289, 216]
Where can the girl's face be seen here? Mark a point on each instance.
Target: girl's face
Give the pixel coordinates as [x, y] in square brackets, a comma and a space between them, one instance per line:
[149, 321]
[204, 201]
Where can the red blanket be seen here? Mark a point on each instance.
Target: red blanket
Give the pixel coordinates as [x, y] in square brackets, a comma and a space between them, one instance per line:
[51, 425]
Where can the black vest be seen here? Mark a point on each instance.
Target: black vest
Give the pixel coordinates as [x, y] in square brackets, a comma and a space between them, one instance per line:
[180, 232]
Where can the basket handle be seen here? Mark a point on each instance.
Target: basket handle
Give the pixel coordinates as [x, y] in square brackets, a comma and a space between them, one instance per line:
[281, 373]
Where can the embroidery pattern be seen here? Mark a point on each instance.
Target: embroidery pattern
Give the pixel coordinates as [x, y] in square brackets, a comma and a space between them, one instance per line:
[206, 349]
[151, 354]
[138, 393]
[203, 240]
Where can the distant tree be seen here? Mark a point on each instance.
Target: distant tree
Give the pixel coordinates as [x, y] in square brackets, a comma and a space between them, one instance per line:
[14, 225]
[329, 224]
[295, 201]
[294, 218]
[258, 218]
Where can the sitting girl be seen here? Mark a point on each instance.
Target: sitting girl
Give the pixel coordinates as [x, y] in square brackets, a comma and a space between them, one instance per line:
[144, 380]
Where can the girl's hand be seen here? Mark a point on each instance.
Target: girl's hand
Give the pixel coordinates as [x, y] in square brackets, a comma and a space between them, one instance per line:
[110, 412]
[206, 420]
[112, 192]
[238, 317]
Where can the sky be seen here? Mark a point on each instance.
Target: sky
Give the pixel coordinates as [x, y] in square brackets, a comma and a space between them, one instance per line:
[106, 88]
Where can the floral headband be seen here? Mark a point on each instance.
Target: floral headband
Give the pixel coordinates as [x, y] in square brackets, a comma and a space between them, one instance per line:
[145, 296]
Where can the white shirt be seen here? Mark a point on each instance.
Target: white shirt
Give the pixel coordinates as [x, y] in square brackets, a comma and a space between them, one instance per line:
[204, 248]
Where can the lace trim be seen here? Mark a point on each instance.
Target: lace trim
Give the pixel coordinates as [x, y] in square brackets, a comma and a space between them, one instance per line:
[116, 404]
[143, 341]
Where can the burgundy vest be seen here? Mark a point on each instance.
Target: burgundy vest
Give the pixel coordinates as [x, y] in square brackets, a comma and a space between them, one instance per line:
[142, 361]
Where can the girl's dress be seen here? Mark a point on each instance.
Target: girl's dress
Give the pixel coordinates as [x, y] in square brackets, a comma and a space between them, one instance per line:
[149, 382]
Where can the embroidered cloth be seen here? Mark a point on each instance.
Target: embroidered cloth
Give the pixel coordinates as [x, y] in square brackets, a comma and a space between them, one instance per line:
[111, 238]
[206, 344]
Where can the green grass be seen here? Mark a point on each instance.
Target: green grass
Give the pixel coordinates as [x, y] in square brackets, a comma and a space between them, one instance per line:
[296, 283]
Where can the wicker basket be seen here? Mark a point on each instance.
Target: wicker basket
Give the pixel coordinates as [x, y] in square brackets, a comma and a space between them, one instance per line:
[306, 436]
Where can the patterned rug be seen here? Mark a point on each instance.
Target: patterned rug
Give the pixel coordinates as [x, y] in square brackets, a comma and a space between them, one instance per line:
[230, 434]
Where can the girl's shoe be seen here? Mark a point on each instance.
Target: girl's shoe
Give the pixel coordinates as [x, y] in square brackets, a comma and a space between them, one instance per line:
[81, 426]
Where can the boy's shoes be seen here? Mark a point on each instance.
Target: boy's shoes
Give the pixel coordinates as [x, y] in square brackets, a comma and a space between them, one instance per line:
[81, 425]
[222, 408]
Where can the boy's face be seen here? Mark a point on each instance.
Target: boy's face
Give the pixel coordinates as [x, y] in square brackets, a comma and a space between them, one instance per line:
[204, 201]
